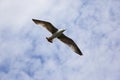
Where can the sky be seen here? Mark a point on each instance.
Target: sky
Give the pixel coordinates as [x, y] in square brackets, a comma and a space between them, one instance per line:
[25, 54]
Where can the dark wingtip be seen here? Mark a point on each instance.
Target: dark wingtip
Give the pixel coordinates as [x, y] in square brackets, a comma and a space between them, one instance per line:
[78, 51]
[81, 54]
[35, 21]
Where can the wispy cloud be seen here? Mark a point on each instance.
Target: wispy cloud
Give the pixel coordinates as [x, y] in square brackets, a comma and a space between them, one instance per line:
[25, 54]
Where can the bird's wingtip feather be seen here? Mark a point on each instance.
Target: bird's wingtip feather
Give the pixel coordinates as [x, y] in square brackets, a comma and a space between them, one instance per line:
[35, 21]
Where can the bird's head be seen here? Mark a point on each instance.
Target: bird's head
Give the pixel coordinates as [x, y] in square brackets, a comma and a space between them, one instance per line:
[62, 30]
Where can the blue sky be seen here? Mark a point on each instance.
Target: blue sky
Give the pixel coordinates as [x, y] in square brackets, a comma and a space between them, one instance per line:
[25, 54]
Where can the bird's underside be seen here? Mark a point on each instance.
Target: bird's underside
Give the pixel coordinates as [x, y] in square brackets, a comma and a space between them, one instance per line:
[58, 34]
[55, 35]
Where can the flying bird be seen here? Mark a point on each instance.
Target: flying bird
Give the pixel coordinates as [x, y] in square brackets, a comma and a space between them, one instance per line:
[58, 34]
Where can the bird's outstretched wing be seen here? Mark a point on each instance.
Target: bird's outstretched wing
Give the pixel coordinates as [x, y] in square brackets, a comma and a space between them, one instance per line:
[70, 43]
[46, 24]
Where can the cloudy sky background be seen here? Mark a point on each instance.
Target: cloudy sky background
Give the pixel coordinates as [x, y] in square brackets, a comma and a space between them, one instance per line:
[25, 54]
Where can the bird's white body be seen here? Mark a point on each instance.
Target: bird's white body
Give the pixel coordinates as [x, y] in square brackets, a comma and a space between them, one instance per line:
[55, 35]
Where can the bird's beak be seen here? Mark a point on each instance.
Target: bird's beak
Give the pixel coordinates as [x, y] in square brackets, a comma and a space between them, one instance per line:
[63, 30]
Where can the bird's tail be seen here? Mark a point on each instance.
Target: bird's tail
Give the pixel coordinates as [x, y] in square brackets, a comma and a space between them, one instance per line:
[49, 39]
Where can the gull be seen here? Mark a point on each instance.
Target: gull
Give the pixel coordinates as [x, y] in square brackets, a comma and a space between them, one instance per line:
[58, 34]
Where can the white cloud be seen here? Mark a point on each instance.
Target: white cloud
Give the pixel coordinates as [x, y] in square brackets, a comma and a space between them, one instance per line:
[25, 53]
